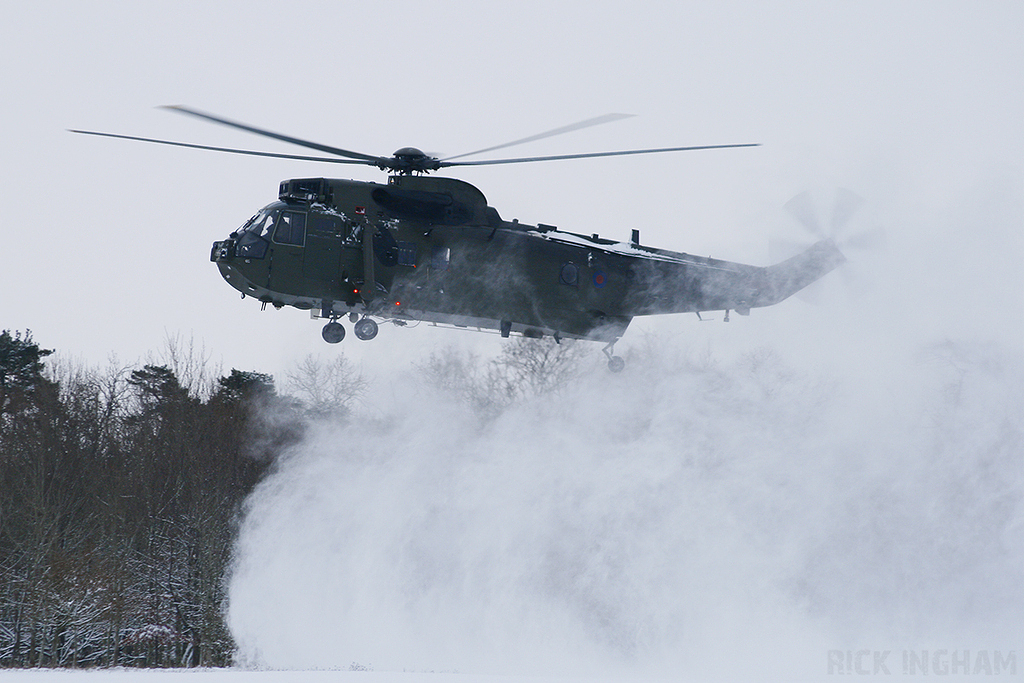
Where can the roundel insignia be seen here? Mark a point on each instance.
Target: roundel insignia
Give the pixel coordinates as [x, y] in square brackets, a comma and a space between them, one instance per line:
[600, 279]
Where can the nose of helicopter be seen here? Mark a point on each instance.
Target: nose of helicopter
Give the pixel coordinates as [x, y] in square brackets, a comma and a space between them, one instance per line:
[221, 250]
[222, 253]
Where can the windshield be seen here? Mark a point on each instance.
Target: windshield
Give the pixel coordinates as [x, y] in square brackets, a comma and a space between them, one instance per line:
[245, 226]
[261, 224]
[254, 235]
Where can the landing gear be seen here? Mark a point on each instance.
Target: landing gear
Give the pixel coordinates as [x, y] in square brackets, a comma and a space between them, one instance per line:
[615, 363]
[365, 329]
[333, 332]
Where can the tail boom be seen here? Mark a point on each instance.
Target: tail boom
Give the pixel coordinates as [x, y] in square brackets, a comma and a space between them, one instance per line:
[693, 284]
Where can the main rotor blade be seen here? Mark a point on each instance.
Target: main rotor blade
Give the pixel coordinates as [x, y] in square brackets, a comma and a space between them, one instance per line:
[276, 136]
[330, 160]
[590, 155]
[596, 121]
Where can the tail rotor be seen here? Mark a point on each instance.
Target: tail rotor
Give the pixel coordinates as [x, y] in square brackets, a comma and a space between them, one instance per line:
[838, 217]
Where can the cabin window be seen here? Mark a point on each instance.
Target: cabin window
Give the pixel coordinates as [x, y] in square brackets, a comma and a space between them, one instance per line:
[440, 257]
[291, 228]
[407, 254]
[325, 225]
[570, 274]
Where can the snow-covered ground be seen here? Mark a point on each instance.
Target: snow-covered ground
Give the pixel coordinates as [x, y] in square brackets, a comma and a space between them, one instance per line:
[243, 676]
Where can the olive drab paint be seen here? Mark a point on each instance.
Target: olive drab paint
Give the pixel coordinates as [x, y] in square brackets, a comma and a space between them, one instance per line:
[424, 248]
[374, 249]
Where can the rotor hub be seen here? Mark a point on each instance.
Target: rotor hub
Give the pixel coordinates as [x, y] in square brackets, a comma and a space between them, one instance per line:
[409, 160]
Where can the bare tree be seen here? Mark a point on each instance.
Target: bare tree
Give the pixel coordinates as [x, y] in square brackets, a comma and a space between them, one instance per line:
[540, 366]
[327, 387]
[525, 367]
[190, 363]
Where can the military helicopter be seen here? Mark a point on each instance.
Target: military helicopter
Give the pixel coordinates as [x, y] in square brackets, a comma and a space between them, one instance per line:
[429, 248]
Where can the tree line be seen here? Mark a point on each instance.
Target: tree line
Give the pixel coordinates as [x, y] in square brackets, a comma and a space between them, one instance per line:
[120, 494]
[121, 490]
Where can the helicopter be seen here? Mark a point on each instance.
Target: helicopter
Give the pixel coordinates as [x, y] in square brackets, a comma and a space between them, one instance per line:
[430, 248]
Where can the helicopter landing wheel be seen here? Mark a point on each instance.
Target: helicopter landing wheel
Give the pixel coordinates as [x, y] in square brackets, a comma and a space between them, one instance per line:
[333, 332]
[365, 329]
[615, 363]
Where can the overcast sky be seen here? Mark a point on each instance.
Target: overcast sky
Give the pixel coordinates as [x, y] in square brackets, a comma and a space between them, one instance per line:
[915, 106]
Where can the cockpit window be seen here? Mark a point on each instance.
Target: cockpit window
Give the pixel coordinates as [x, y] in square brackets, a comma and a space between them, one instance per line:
[250, 245]
[291, 228]
[262, 224]
[245, 226]
[286, 227]
[253, 236]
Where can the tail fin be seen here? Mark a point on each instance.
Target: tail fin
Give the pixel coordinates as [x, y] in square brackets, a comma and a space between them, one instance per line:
[790, 276]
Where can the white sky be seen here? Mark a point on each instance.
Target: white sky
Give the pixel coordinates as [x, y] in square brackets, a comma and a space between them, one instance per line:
[916, 106]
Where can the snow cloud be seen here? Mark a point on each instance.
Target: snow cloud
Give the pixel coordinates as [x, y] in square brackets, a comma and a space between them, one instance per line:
[692, 515]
